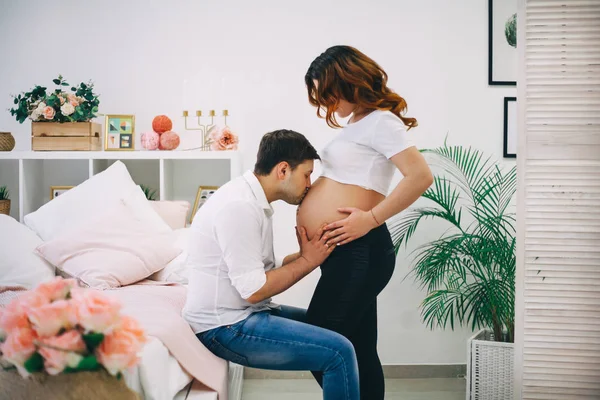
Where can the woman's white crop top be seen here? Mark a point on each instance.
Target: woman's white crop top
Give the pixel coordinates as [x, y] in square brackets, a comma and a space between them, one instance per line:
[360, 153]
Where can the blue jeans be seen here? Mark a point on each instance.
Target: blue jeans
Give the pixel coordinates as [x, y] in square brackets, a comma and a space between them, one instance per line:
[280, 340]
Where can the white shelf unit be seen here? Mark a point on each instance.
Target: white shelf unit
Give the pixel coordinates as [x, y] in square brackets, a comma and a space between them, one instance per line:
[175, 175]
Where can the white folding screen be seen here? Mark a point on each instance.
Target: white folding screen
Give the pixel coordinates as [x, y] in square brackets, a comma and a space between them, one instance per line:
[557, 344]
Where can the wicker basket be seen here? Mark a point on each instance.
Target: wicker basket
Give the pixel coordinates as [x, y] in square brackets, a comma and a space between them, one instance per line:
[5, 207]
[98, 385]
[489, 368]
[7, 141]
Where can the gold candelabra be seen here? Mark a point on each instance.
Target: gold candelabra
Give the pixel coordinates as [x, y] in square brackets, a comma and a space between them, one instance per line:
[204, 128]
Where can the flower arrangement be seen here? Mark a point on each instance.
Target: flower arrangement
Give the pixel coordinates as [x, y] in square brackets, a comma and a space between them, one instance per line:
[61, 327]
[81, 105]
[222, 138]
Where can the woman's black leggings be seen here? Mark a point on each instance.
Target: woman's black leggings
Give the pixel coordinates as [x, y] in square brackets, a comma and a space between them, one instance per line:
[345, 301]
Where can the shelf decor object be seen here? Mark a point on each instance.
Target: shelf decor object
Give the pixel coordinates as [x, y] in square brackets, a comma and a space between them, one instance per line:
[61, 120]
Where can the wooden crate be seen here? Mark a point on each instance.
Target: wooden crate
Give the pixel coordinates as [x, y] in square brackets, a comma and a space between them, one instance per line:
[69, 136]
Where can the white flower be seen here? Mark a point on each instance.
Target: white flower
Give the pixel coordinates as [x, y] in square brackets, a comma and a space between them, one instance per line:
[41, 107]
[67, 109]
[35, 115]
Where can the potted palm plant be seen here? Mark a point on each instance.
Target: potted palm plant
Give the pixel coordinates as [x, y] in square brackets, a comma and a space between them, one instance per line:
[4, 201]
[469, 272]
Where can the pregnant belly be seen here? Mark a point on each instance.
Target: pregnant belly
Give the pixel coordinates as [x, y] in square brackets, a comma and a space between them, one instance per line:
[321, 203]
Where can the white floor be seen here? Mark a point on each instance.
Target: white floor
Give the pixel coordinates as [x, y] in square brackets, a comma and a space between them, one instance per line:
[396, 389]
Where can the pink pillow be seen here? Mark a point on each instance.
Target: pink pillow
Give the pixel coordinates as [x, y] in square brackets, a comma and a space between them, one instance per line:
[174, 213]
[114, 249]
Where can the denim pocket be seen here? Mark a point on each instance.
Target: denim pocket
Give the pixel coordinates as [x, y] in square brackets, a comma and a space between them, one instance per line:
[221, 351]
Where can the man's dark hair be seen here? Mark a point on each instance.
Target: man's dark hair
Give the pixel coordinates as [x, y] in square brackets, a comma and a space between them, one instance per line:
[283, 145]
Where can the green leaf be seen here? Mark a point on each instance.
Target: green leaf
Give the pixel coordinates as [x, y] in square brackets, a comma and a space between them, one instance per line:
[64, 84]
[56, 81]
[93, 340]
[35, 363]
[88, 363]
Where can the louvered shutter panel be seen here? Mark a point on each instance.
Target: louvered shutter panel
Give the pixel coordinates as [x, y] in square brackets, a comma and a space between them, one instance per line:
[558, 278]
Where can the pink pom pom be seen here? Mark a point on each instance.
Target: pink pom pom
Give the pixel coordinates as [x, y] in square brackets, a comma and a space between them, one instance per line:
[169, 141]
[150, 140]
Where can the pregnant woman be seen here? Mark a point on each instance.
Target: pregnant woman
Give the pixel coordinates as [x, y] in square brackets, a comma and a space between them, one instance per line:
[352, 197]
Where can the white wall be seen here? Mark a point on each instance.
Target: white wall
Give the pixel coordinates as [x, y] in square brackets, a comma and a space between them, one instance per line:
[159, 57]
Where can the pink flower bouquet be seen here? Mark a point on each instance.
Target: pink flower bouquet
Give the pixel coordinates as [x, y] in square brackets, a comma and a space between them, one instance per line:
[221, 139]
[62, 327]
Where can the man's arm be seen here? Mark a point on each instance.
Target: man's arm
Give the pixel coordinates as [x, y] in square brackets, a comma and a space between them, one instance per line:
[312, 254]
[292, 257]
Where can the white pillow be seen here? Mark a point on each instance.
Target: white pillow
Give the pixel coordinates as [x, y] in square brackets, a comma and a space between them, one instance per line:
[174, 213]
[176, 271]
[20, 265]
[142, 210]
[74, 207]
[116, 248]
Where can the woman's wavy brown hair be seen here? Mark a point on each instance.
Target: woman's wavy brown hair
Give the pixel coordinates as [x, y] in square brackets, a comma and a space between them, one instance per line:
[343, 72]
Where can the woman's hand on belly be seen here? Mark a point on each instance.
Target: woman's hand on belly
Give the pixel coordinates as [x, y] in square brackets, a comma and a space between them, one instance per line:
[357, 224]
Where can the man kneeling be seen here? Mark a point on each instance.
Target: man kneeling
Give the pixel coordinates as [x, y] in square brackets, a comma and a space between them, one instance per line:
[233, 275]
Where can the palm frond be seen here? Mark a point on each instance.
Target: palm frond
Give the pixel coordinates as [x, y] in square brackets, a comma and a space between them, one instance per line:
[440, 307]
[466, 166]
[406, 225]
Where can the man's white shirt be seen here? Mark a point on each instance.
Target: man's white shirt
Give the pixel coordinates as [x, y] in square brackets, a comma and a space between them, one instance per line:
[230, 251]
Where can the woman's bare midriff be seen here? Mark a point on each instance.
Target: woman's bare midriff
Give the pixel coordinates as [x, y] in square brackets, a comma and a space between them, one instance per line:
[322, 201]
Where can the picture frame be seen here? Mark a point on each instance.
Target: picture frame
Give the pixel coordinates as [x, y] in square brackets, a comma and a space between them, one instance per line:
[56, 191]
[502, 42]
[203, 194]
[510, 127]
[119, 132]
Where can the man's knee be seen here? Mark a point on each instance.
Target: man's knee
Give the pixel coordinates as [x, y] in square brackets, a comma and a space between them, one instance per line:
[343, 353]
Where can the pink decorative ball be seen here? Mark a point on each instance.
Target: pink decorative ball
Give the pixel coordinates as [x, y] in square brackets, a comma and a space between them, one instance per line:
[150, 140]
[169, 141]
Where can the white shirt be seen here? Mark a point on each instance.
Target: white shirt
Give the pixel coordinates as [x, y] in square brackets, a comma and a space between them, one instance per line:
[360, 154]
[230, 251]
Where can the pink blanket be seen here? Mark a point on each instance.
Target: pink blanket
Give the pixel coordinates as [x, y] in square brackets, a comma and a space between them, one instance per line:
[158, 309]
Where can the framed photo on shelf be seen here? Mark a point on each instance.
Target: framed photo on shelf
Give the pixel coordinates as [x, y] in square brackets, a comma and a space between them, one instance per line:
[510, 127]
[203, 194]
[119, 132]
[56, 191]
[502, 42]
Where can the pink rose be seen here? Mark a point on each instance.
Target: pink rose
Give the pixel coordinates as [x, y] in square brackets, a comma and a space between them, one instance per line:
[48, 112]
[130, 325]
[56, 289]
[18, 348]
[223, 139]
[95, 311]
[62, 100]
[73, 99]
[119, 350]
[49, 319]
[62, 351]
[15, 315]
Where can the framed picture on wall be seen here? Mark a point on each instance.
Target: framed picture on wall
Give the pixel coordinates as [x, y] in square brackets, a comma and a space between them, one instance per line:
[203, 194]
[119, 132]
[510, 127]
[56, 191]
[502, 47]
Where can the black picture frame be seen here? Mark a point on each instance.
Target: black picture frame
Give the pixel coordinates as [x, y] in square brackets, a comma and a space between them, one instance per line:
[509, 139]
[491, 80]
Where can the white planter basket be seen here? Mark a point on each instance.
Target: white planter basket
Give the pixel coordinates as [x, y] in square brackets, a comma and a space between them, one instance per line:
[489, 368]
